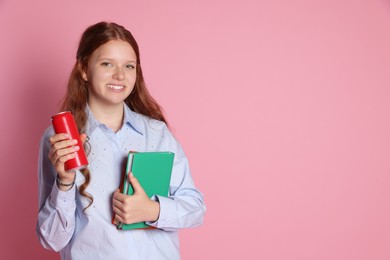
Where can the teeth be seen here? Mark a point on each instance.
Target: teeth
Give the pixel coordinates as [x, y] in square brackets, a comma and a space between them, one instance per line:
[116, 87]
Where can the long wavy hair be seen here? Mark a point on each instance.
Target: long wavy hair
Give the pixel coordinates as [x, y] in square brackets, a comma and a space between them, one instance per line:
[77, 94]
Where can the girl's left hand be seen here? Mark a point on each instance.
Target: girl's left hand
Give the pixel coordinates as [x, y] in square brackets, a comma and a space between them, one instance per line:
[134, 208]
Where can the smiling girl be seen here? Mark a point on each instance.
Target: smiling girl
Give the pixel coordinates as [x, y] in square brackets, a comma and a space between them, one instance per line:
[116, 114]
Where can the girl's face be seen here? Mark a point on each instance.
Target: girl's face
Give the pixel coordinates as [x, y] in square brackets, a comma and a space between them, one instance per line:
[111, 73]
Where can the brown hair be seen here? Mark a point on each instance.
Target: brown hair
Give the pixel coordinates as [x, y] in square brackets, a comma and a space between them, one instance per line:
[77, 91]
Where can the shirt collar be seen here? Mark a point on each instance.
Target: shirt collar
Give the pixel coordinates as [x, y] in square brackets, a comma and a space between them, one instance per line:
[133, 119]
[130, 118]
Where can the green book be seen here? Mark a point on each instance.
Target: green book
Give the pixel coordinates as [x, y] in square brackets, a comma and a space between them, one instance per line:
[153, 171]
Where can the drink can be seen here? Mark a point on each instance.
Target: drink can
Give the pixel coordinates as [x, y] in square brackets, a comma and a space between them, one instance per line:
[64, 122]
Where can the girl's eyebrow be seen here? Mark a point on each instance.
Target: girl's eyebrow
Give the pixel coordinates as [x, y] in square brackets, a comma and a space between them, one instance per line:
[104, 58]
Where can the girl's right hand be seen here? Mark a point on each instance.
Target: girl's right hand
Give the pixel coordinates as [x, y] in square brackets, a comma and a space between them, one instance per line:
[63, 149]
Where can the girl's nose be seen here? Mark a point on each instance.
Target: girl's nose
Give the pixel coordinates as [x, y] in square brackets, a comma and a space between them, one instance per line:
[118, 74]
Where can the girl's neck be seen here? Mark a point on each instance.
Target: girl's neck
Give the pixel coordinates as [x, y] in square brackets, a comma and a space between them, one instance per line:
[111, 116]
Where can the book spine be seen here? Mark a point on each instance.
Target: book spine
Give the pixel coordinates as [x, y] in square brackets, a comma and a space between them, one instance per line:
[126, 183]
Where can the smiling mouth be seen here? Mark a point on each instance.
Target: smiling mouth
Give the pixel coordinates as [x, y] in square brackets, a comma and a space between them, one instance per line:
[116, 87]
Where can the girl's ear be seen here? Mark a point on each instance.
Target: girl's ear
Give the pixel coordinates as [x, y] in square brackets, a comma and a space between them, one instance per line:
[84, 75]
[82, 72]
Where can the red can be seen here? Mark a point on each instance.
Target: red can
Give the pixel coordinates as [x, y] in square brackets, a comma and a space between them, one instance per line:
[64, 122]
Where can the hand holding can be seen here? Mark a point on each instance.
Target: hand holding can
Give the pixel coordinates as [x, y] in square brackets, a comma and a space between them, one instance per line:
[64, 122]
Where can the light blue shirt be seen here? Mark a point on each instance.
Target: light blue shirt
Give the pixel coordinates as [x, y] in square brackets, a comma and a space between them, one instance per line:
[63, 226]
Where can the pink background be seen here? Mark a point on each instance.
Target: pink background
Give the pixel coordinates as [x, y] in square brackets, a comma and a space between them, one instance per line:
[282, 107]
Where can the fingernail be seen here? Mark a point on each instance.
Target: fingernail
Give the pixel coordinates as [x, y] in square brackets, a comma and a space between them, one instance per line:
[76, 148]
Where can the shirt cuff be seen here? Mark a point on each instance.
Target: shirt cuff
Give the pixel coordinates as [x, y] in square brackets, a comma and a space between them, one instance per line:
[167, 217]
[65, 200]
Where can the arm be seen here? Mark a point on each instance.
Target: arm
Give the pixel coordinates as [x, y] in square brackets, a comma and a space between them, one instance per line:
[56, 217]
[184, 208]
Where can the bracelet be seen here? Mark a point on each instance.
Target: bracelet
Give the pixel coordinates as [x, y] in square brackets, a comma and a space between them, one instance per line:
[59, 182]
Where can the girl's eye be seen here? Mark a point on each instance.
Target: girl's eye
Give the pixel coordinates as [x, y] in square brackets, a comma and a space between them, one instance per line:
[130, 66]
[106, 64]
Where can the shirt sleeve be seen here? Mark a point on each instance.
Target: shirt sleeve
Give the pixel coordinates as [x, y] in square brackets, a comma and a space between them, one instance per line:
[56, 216]
[184, 207]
